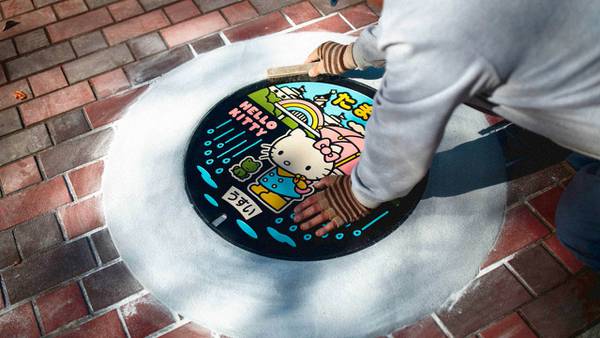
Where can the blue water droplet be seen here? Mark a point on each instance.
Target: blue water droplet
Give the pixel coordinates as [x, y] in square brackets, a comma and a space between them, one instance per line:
[226, 160]
[220, 145]
[307, 237]
[339, 236]
[206, 177]
[207, 152]
[279, 220]
[219, 171]
[356, 233]
[210, 161]
[279, 237]
[246, 228]
[293, 228]
[211, 200]
[292, 215]
[210, 131]
[207, 143]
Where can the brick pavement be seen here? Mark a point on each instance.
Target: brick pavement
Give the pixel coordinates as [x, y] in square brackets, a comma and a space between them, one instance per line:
[80, 62]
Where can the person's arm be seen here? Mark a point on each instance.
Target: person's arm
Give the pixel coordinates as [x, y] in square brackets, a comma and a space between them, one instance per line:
[421, 87]
[365, 51]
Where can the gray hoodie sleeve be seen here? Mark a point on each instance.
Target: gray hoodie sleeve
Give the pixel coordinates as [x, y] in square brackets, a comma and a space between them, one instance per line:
[422, 85]
[365, 51]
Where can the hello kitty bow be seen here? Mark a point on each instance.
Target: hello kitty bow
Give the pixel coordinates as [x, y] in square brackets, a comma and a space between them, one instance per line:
[330, 151]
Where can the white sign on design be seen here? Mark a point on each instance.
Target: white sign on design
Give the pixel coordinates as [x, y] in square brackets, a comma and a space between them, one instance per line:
[242, 203]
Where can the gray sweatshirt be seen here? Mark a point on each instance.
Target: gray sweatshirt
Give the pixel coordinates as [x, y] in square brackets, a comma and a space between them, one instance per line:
[538, 60]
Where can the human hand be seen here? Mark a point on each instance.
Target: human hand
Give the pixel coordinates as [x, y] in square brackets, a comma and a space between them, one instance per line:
[335, 205]
[331, 58]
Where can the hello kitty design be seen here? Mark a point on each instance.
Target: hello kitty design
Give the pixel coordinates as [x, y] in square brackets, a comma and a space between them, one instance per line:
[298, 161]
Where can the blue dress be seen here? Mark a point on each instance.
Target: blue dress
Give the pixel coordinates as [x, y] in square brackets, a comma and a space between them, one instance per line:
[281, 185]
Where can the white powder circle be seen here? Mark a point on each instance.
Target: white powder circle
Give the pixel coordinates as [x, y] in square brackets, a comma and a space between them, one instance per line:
[405, 276]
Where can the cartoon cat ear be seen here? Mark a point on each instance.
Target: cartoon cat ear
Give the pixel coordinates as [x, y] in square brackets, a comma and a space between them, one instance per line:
[298, 132]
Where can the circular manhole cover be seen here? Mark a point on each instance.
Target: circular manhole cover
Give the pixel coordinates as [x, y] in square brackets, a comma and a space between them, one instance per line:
[257, 153]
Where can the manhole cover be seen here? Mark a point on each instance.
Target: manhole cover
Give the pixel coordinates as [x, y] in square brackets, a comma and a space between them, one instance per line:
[257, 153]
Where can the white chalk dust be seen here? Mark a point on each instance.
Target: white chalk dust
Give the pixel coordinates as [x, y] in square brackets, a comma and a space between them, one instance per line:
[405, 276]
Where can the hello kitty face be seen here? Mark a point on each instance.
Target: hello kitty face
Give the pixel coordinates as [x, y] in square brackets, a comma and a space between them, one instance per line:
[295, 153]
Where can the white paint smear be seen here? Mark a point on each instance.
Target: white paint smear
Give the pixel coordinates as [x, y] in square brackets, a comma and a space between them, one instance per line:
[405, 276]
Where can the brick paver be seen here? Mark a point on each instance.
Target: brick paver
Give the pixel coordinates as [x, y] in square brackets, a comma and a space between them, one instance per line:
[76, 60]
[61, 306]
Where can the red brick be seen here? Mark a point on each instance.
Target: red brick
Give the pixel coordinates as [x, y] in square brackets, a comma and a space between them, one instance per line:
[182, 10]
[146, 315]
[190, 330]
[331, 24]
[487, 298]
[193, 29]
[520, 229]
[61, 306]
[135, 27]
[69, 8]
[564, 255]
[29, 21]
[83, 23]
[109, 83]
[538, 269]
[260, 26]
[568, 309]
[7, 93]
[57, 102]
[88, 179]
[125, 9]
[359, 16]
[239, 12]
[301, 12]
[546, 203]
[82, 217]
[29, 203]
[19, 322]
[11, 8]
[109, 110]
[423, 328]
[511, 326]
[107, 325]
[47, 81]
[19, 174]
